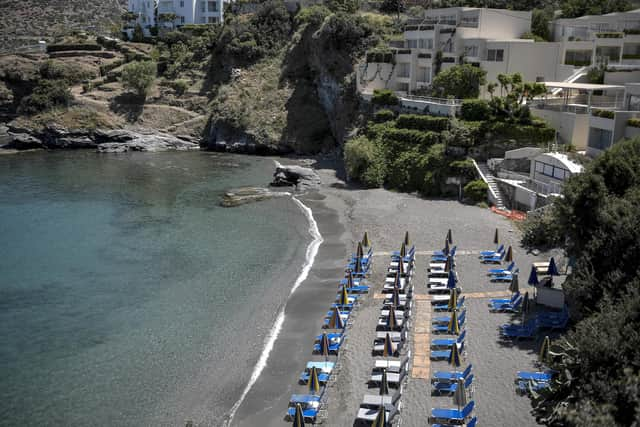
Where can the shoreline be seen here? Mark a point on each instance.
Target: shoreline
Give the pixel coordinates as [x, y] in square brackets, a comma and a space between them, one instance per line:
[310, 256]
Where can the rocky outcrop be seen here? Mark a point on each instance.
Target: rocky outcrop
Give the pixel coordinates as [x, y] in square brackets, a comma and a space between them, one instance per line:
[105, 141]
[292, 175]
[224, 137]
[120, 141]
[244, 195]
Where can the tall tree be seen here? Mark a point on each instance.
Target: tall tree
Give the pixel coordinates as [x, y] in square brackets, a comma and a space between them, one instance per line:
[460, 81]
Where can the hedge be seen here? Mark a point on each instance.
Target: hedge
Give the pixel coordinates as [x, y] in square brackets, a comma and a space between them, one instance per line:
[65, 47]
[524, 134]
[475, 110]
[382, 116]
[384, 97]
[422, 122]
[409, 137]
[476, 190]
[605, 114]
[634, 123]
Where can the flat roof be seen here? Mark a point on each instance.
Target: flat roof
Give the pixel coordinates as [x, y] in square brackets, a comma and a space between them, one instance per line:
[582, 86]
[564, 159]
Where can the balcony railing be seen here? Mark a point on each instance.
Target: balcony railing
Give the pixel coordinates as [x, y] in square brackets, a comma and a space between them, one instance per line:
[443, 101]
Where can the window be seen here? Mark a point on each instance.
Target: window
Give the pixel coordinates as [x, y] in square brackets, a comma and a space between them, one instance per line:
[213, 6]
[425, 44]
[552, 171]
[634, 103]
[599, 138]
[495, 55]
[202, 7]
[403, 87]
[213, 20]
[182, 4]
[182, 19]
[471, 51]
[424, 74]
[403, 69]
[412, 44]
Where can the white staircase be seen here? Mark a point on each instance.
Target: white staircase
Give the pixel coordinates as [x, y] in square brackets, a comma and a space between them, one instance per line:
[579, 73]
[490, 179]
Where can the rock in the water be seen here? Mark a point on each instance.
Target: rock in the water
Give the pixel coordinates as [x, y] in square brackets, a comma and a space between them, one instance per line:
[244, 195]
[23, 141]
[292, 175]
[120, 141]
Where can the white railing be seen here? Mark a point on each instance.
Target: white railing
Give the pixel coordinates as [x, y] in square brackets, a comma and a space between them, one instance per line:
[493, 197]
[443, 101]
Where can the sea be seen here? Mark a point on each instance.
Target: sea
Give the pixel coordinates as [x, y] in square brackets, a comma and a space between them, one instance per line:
[128, 295]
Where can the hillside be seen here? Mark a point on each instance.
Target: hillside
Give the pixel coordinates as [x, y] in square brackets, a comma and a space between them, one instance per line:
[24, 22]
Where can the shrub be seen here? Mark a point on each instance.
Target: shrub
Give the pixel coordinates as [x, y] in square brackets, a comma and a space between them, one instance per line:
[138, 34]
[475, 110]
[139, 76]
[364, 161]
[422, 122]
[382, 116]
[463, 168]
[174, 37]
[541, 229]
[476, 190]
[634, 123]
[405, 138]
[346, 6]
[459, 81]
[312, 15]
[46, 95]
[605, 114]
[180, 86]
[384, 97]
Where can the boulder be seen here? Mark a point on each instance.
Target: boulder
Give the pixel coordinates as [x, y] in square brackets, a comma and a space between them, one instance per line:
[23, 141]
[293, 175]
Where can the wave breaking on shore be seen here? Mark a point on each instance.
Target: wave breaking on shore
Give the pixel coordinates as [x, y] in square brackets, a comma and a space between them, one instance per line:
[310, 255]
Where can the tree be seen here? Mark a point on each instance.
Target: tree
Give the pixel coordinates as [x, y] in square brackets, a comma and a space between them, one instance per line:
[598, 363]
[576, 8]
[392, 6]
[46, 95]
[139, 76]
[491, 88]
[460, 81]
[364, 161]
[138, 34]
[540, 19]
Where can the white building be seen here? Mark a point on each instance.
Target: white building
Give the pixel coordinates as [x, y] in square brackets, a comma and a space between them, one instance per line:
[146, 15]
[192, 11]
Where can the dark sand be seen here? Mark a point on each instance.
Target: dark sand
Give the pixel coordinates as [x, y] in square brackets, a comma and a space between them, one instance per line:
[343, 215]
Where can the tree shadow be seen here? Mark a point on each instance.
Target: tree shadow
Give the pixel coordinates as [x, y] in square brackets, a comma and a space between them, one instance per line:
[129, 105]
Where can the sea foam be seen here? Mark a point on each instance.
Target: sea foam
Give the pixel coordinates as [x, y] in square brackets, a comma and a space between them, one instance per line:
[312, 251]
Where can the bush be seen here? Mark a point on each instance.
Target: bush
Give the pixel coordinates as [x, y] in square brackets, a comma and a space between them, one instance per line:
[58, 70]
[634, 123]
[382, 116]
[364, 161]
[180, 86]
[312, 15]
[459, 81]
[399, 139]
[384, 97]
[422, 122]
[346, 6]
[46, 95]
[138, 34]
[174, 37]
[139, 76]
[541, 229]
[476, 190]
[463, 168]
[605, 114]
[475, 110]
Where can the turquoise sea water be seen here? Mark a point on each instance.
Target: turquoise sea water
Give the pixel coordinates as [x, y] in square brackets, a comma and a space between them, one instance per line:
[127, 295]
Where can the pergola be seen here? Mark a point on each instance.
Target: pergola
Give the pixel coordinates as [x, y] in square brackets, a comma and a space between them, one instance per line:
[568, 88]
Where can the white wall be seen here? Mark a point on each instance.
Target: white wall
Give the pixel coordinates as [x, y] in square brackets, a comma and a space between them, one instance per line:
[504, 24]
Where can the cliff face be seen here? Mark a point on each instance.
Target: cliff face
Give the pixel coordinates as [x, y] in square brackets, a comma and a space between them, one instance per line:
[309, 109]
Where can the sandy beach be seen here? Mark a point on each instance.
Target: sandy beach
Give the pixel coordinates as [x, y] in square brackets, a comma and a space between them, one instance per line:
[343, 214]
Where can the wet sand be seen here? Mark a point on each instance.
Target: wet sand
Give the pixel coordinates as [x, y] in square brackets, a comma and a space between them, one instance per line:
[343, 214]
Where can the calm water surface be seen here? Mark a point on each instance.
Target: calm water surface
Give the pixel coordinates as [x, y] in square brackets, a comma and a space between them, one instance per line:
[127, 295]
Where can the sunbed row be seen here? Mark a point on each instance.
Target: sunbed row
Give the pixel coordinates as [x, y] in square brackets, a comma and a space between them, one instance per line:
[318, 372]
[390, 372]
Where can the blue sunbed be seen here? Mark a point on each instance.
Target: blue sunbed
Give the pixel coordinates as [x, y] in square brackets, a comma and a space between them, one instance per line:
[445, 306]
[514, 296]
[333, 347]
[448, 342]
[495, 259]
[444, 354]
[450, 387]
[535, 376]
[471, 423]
[355, 289]
[452, 415]
[443, 328]
[527, 331]
[498, 250]
[506, 277]
[525, 387]
[309, 414]
[446, 319]
[447, 376]
[323, 376]
[507, 307]
[499, 271]
[331, 337]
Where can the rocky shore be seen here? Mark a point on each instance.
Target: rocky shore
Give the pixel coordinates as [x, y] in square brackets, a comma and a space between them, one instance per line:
[54, 137]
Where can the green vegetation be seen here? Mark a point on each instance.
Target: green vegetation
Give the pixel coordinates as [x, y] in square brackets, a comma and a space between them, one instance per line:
[46, 95]
[597, 361]
[634, 123]
[139, 77]
[576, 8]
[364, 160]
[540, 19]
[605, 114]
[382, 116]
[384, 97]
[476, 190]
[460, 81]
[475, 110]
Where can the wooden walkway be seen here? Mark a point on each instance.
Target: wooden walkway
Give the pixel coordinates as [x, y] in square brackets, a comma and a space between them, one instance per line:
[472, 295]
[421, 362]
